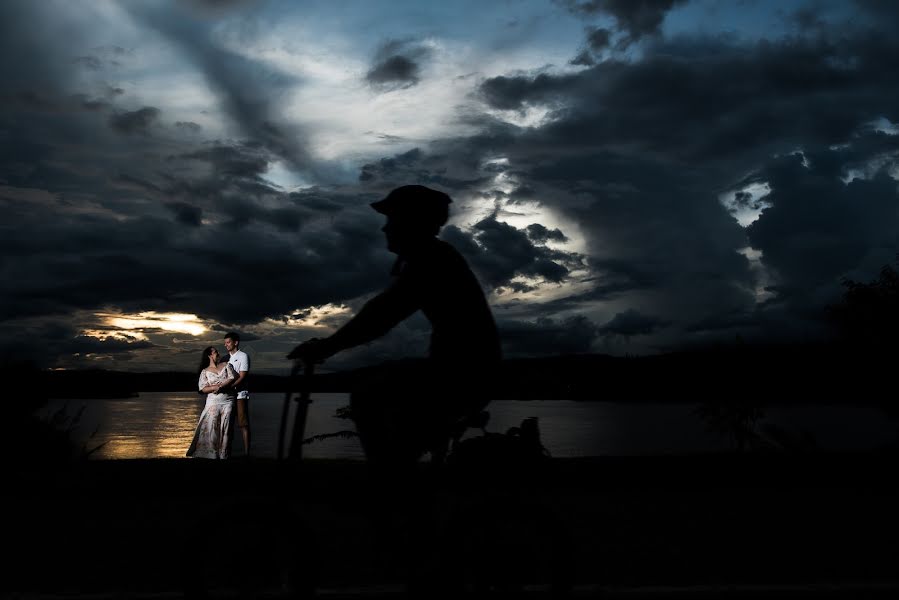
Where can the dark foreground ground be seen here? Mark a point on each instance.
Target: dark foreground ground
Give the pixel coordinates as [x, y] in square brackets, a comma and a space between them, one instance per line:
[676, 527]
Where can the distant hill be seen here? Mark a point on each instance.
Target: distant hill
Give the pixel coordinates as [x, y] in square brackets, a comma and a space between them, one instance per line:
[778, 374]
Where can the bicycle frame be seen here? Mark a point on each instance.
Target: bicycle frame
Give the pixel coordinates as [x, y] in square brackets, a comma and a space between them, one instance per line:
[295, 452]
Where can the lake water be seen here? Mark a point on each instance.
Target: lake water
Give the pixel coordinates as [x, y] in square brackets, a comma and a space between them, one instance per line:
[161, 425]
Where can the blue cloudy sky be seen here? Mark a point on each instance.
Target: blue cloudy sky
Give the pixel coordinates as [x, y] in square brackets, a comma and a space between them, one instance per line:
[628, 176]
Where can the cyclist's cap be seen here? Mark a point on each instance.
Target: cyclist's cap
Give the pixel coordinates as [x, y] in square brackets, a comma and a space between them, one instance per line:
[416, 203]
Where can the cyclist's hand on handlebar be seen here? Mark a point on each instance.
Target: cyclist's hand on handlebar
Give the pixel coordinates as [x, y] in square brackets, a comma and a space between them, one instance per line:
[312, 351]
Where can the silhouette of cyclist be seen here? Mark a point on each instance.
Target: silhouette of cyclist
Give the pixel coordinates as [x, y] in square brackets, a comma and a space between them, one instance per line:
[404, 412]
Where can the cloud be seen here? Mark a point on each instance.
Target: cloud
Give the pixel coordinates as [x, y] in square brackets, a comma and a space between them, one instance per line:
[448, 170]
[136, 121]
[599, 38]
[189, 126]
[217, 8]
[584, 58]
[55, 342]
[247, 89]
[879, 8]
[631, 323]
[624, 171]
[818, 229]
[187, 214]
[90, 62]
[499, 252]
[634, 18]
[84, 344]
[394, 70]
[512, 93]
[245, 160]
[540, 234]
[635, 153]
[397, 65]
[389, 166]
[674, 105]
[547, 336]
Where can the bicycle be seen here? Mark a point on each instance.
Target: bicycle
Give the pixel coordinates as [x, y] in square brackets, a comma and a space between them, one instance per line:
[486, 532]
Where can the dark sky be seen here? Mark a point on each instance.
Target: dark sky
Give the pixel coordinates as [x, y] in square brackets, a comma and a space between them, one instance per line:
[628, 176]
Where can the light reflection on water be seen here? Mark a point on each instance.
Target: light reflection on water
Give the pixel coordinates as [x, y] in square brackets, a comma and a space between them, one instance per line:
[161, 425]
[153, 425]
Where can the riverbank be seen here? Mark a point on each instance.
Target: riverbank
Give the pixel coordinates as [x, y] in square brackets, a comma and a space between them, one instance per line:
[164, 526]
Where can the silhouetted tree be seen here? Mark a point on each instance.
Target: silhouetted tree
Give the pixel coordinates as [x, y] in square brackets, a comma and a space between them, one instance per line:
[867, 319]
[868, 314]
[34, 438]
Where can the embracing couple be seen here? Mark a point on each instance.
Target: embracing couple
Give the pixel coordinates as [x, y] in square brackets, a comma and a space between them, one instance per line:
[224, 382]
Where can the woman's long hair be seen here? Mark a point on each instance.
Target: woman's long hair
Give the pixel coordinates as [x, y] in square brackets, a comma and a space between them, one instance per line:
[204, 360]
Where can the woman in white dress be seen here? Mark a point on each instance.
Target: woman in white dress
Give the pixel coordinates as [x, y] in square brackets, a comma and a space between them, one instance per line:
[212, 437]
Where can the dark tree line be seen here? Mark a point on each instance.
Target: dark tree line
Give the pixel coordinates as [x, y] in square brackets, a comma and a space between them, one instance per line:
[867, 318]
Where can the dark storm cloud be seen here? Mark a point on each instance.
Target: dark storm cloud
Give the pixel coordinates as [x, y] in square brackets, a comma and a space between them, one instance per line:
[540, 234]
[661, 233]
[245, 160]
[637, 152]
[780, 320]
[187, 214]
[248, 90]
[514, 92]
[56, 342]
[712, 99]
[389, 166]
[97, 261]
[131, 182]
[584, 58]
[499, 252]
[143, 223]
[88, 103]
[219, 7]
[396, 65]
[451, 172]
[242, 212]
[136, 121]
[83, 344]
[324, 203]
[33, 341]
[599, 38]
[166, 223]
[818, 228]
[880, 8]
[90, 62]
[631, 323]
[545, 336]
[634, 18]
[684, 122]
[103, 58]
[725, 322]
[189, 126]
[394, 70]
[236, 188]
[653, 230]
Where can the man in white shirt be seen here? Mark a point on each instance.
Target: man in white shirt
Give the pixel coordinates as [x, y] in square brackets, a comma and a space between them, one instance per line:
[241, 363]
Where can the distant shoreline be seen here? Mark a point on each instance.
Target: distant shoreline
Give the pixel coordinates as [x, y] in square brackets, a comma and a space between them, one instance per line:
[814, 374]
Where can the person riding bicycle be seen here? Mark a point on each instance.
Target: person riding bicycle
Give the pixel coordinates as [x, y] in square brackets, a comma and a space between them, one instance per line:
[404, 412]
